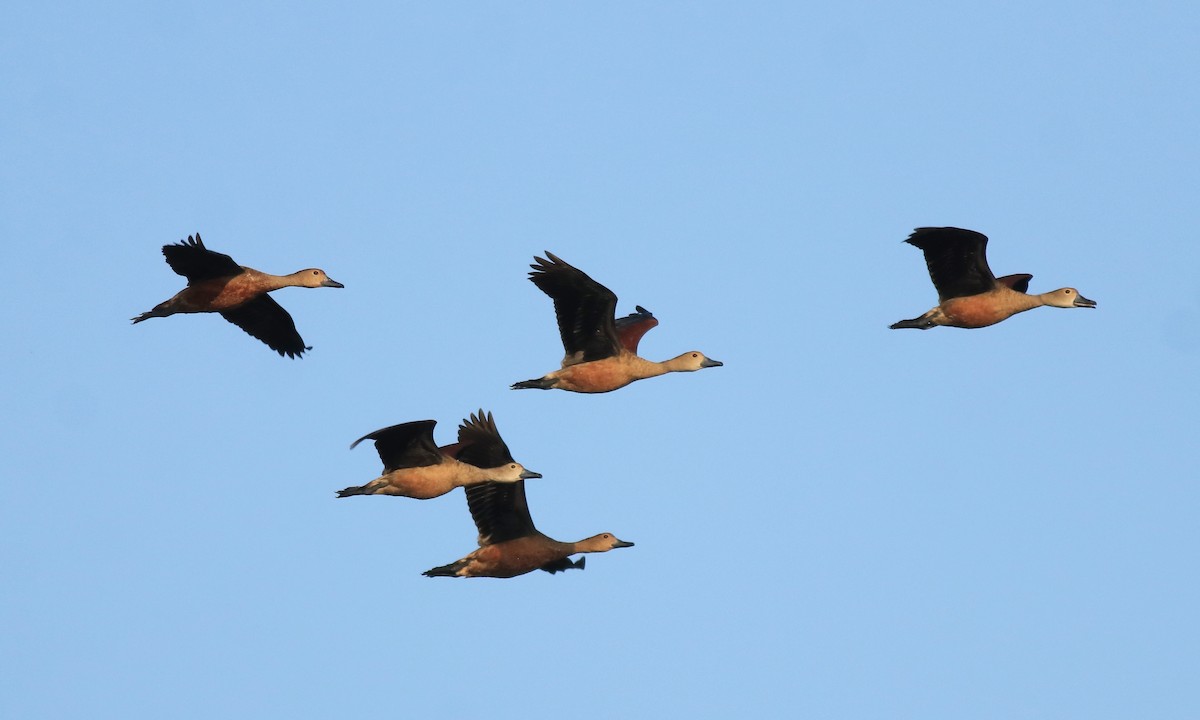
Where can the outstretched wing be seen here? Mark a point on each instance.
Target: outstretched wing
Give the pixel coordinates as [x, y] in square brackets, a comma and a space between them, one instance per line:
[405, 445]
[957, 260]
[197, 263]
[584, 309]
[499, 511]
[480, 444]
[1018, 282]
[266, 320]
[633, 326]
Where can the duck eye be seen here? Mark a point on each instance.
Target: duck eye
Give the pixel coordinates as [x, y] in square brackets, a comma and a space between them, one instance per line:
[695, 354]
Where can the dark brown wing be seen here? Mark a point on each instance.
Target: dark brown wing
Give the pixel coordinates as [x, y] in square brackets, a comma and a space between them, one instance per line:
[195, 262]
[405, 445]
[1018, 282]
[584, 309]
[633, 326]
[266, 320]
[499, 511]
[480, 444]
[957, 260]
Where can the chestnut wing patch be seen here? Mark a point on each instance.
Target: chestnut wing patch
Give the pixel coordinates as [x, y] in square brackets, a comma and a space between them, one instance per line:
[633, 326]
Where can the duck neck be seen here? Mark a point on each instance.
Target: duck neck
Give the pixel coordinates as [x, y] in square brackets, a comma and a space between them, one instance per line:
[469, 474]
[269, 282]
[1020, 302]
[644, 368]
[579, 546]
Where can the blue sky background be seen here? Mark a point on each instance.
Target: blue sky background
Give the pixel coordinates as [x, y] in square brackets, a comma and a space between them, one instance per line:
[842, 522]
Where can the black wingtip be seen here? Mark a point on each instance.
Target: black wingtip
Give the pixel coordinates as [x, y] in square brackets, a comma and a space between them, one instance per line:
[926, 237]
[293, 354]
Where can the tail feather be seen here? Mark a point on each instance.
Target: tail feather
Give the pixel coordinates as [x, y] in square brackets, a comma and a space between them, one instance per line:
[376, 487]
[920, 323]
[534, 384]
[146, 316]
[450, 570]
[159, 310]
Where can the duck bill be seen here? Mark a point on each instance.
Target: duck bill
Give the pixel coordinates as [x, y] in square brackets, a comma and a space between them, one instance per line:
[1081, 301]
[622, 543]
[528, 474]
[329, 282]
[709, 362]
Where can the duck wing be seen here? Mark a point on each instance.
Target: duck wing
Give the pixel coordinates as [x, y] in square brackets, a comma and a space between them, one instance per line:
[197, 263]
[1018, 282]
[584, 309]
[480, 444]
[957, 260]
[405, 445]
[266, 320]
[500, 511]
[633, 326]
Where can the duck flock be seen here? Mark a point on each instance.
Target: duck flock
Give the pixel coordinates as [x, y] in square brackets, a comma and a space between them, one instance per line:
[600, 356]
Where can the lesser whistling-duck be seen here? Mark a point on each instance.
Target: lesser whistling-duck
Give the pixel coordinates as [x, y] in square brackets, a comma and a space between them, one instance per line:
[509, 544]
[414, 466]
[601, 352]
[969, 295]
[218, 284]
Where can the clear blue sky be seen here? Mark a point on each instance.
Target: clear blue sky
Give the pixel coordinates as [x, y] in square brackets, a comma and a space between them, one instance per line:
[842, 522]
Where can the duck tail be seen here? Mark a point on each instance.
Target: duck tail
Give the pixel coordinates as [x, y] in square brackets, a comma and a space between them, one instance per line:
[535, 384]
[450, 570]
[160, 310]
[356, 490]
[921, 323]
[149, 314]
